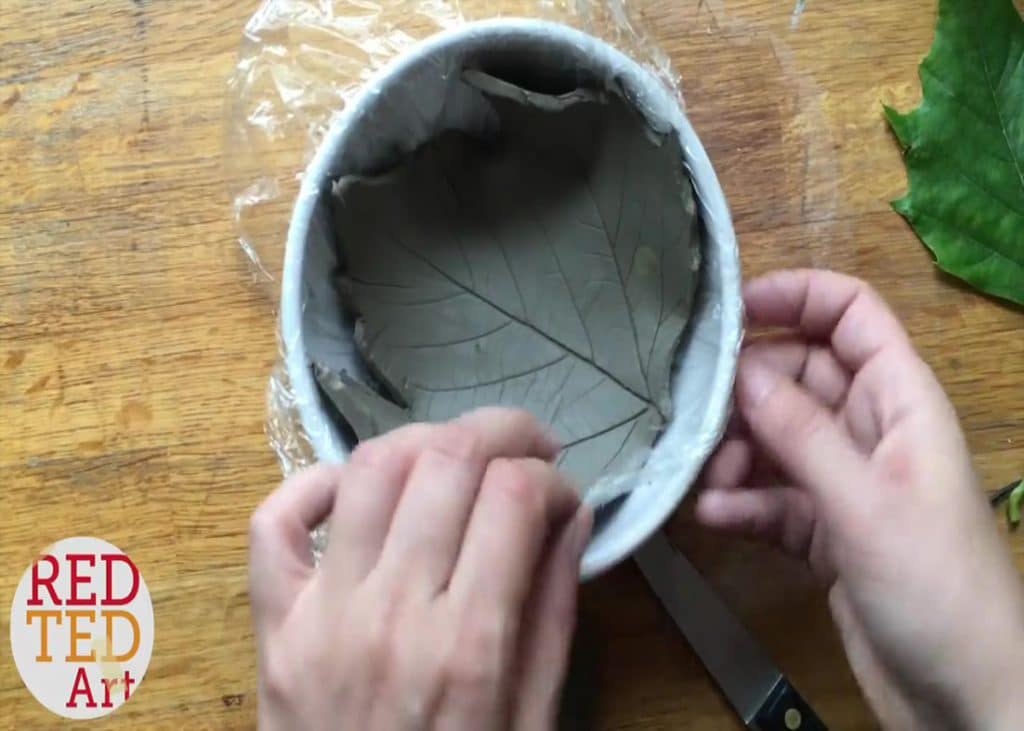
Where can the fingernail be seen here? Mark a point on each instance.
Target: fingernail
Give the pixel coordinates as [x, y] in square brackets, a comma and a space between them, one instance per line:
[755, 382]
[582, 523]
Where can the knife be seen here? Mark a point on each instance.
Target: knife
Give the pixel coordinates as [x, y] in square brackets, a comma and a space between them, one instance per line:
[748, 678]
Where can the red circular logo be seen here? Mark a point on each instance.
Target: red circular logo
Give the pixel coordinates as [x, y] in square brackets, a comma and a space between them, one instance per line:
[82, 628]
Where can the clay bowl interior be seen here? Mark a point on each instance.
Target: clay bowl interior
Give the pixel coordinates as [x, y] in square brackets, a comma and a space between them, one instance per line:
[403, 107]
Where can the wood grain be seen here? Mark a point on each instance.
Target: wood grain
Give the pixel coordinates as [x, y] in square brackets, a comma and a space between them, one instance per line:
[134, 350]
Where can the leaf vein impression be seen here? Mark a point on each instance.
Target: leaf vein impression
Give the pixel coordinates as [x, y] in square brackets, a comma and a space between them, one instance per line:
[661, 304]
[622, 445]
[411, 303]
[458, 238]
[412, 252]
[622, 281]
[561, 393]
[494, 381]
[606, 430]
[568, 287]
[460, 341]
[497, 242]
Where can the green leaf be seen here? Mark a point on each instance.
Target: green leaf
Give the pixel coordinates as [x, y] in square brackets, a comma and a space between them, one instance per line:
[550, 267]
[1013, 505]
[964, 147]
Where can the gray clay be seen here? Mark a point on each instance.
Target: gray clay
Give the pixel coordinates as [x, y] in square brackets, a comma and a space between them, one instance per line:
[549, 266]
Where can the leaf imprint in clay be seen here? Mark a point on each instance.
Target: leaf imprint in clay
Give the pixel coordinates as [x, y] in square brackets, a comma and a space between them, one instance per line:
[549, 267]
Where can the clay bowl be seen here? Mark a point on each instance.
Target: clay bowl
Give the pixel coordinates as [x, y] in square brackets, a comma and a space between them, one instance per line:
[401, 108]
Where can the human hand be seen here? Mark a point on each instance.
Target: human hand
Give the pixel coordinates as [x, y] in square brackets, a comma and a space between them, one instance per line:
[446, 595]
[846, 452]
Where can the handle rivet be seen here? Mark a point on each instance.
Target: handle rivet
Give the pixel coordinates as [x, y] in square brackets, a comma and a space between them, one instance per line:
[792, 719]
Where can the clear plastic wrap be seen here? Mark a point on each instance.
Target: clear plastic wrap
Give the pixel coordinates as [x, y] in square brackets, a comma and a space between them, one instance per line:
[302, 68]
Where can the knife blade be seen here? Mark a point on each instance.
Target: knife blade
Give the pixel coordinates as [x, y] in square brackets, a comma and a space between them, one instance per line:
[746, 675]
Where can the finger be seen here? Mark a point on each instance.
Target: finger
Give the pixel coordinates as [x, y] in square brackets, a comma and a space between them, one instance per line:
[799, 434]
[826, 306]
[280, 549]
[380, 468]
[366, 500]
[498, 429]
[430, 521]
[550, 621]
[812, 365]
[520, 502]
[510, 433]
[780, 516]
[363, 508]
[730, 465]
[896, 387]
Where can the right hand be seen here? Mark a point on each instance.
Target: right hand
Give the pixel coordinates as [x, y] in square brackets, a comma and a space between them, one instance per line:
[848, 453]
[446, 597]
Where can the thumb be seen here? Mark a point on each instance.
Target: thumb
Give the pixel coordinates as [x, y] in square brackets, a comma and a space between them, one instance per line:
[280, 549]
[797, 431]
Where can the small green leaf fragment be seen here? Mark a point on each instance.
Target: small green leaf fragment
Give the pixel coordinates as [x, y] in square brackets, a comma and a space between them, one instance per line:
[903, 207]
[1014, 504]
[901, 126]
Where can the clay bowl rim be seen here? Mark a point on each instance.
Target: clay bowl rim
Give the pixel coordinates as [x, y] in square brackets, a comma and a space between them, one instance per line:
[604, 551]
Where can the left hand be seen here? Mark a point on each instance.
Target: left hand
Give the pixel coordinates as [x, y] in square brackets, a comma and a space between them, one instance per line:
[847, 453]
[446, 596]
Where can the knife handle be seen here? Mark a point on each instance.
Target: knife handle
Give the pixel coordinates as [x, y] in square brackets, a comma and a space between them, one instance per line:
[786, 710]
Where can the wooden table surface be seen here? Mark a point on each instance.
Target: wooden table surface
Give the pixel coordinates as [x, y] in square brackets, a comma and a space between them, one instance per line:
[135, 350]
